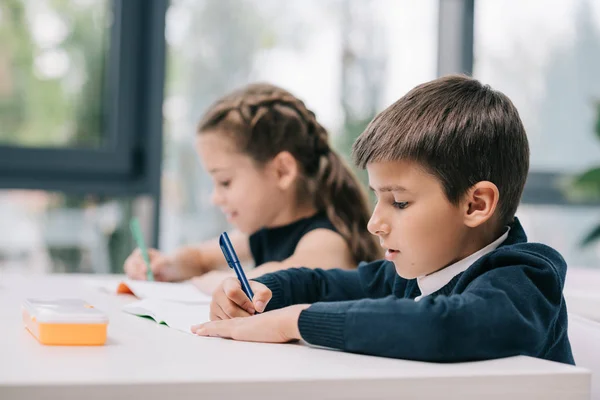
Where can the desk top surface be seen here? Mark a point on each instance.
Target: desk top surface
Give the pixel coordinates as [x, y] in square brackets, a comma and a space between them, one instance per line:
[139, 351]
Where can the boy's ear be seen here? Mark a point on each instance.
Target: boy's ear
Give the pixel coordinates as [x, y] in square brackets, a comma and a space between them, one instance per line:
[285, 168]
[480, 203]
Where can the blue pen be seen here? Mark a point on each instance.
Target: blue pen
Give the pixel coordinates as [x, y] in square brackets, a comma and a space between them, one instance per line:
[234, 263]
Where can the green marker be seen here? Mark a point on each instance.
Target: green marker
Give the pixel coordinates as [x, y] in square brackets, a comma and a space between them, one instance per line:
[136, 231]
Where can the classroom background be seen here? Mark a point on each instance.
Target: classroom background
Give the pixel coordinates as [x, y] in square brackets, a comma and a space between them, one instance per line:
[99, 100]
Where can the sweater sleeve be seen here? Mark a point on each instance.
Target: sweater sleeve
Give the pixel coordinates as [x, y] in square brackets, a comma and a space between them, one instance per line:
[307, 286]
[504, 312]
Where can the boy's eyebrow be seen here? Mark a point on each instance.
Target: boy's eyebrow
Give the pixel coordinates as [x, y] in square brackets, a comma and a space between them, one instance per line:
[391, 188]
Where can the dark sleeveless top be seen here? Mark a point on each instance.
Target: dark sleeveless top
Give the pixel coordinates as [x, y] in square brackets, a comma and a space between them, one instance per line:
[279, 243]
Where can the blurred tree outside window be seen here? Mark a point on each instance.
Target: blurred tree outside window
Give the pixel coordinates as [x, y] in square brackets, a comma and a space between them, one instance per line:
[52, 68]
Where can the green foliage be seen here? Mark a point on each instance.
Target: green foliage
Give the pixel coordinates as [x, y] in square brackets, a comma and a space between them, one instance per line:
[587, 186]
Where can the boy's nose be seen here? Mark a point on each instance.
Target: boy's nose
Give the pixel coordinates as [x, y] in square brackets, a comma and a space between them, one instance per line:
[376, 225]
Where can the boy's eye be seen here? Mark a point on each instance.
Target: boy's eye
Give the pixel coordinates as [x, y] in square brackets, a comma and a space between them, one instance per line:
[400, 204]
[224, 183]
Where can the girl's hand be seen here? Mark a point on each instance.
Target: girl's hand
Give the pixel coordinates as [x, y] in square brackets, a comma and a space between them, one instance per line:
[162, 266]
[185, 263]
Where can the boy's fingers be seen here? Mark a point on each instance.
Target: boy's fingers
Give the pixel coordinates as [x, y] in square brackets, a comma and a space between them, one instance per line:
[213, 311]
[217, 312]
[233, 291]
[214, 328]
[262, 296]
[232, 310]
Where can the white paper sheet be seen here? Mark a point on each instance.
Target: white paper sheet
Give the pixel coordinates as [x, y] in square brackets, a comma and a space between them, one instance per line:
[184, 292]
[175, 315]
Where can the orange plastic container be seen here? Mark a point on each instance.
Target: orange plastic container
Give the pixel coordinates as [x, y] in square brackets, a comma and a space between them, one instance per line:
[65, 322]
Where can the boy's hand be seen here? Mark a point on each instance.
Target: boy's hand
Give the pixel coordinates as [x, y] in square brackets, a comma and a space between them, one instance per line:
[278, 326]
[230, 301]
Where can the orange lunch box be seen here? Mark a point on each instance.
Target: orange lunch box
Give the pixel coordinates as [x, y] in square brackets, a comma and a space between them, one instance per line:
[65, 322]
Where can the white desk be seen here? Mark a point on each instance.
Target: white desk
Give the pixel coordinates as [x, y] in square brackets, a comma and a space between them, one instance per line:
[582, 292]
[144, 360]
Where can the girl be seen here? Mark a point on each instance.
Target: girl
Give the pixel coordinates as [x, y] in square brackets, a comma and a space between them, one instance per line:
[290, 196]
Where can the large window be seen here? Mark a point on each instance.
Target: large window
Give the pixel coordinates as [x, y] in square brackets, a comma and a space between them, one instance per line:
[82, 107]
[546, 58]
[346, 59]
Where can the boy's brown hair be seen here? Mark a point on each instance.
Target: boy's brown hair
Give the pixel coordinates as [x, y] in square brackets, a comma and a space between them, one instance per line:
[459, 130]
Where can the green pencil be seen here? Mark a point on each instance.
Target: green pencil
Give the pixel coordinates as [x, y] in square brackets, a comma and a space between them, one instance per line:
[136, 231]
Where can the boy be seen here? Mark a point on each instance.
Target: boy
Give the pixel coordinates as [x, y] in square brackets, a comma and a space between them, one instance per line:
[448, 163]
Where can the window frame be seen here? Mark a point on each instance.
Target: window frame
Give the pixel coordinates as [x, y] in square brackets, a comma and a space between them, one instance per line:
[129, 161]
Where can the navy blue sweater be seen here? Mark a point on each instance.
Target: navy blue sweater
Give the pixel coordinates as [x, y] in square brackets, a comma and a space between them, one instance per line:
[507, 303]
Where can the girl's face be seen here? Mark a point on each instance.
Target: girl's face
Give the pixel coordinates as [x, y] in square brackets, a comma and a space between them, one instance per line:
[249, 195]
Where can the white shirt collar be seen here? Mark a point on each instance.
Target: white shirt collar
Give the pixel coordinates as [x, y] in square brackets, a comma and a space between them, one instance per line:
[431, 283]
